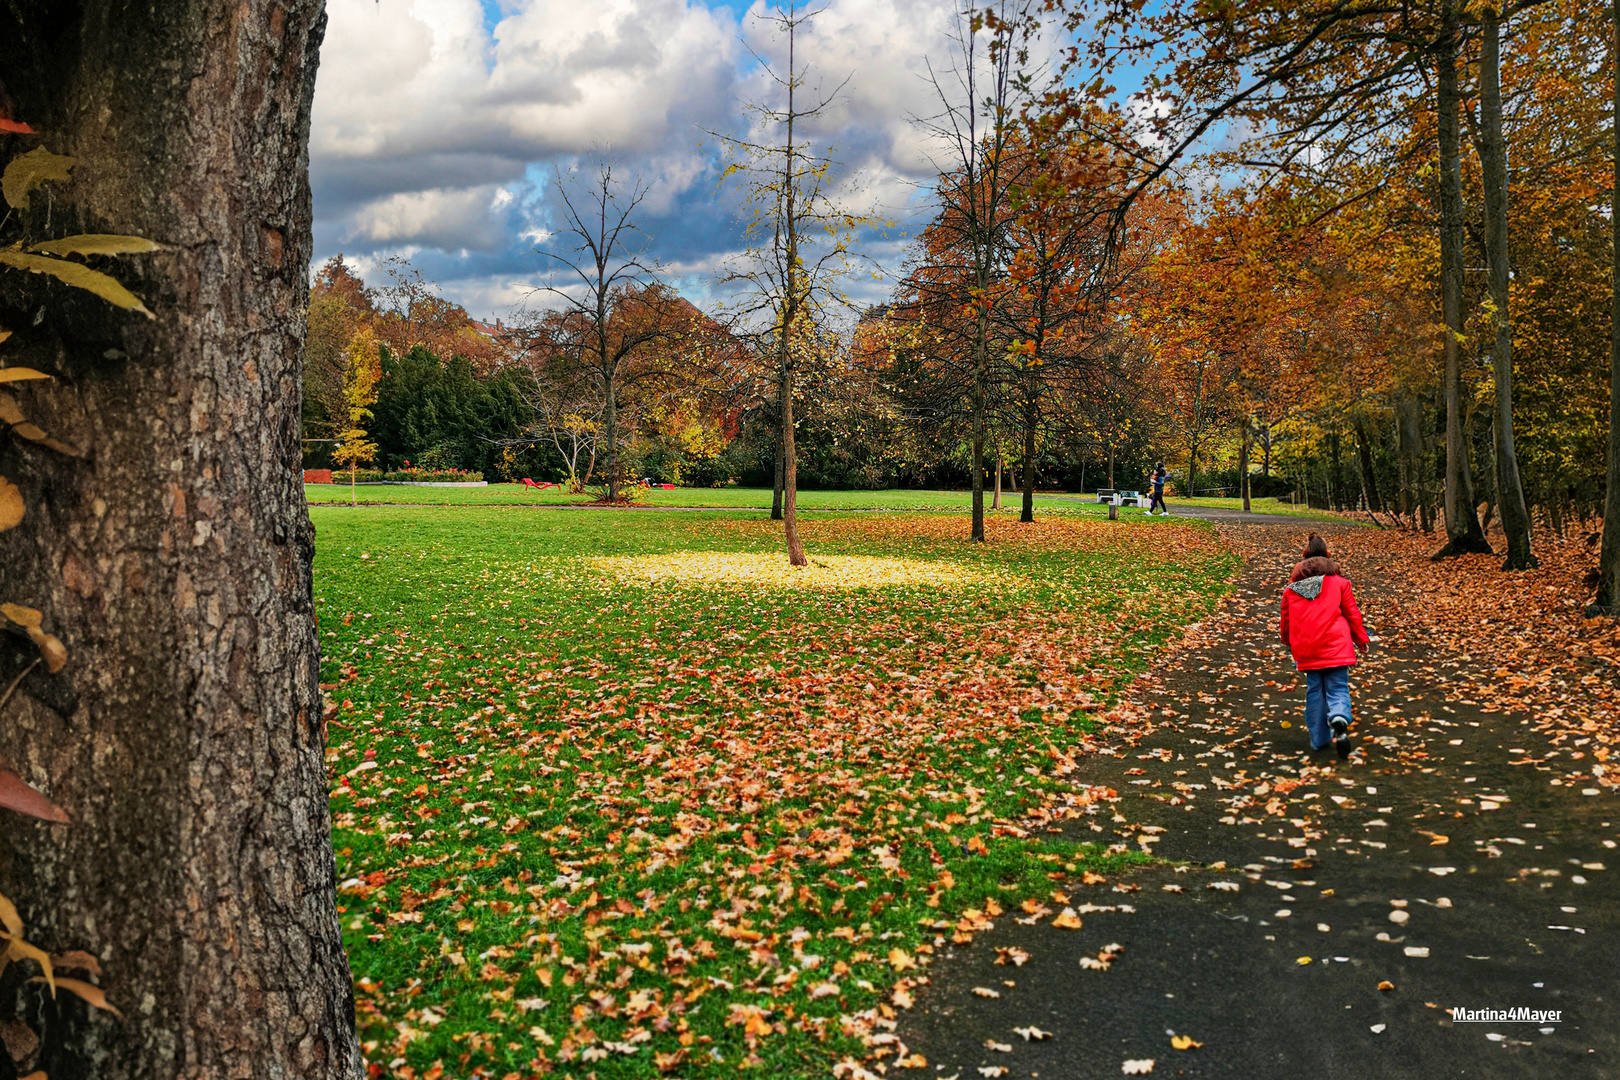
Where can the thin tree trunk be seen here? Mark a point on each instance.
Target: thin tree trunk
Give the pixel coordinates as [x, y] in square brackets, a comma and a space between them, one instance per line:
[1026, 512]
[1243, 466]
[995, 503]
[184, 738]
[1463, 533]
[790, 476]
[1336, 480]
[776, 494]
[1607, 600]
[981, 375]
[1111, 466]
[1369, 481]
[610, 436]
[1493, 161]
[1197, 433]
[791, 300]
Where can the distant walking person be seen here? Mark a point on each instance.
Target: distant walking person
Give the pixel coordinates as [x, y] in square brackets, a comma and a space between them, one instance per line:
[1158, 478]
[1321, 626]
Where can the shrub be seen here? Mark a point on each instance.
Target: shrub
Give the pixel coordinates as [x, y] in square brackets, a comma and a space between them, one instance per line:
[424, 475]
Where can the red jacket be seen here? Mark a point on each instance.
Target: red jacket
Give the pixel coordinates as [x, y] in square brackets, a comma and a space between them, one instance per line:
[1320, 622]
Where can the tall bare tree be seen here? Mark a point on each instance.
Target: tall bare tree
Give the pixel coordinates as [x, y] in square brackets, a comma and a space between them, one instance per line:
[610, 311]
[799, 237]
[977, 127]
[1463, 532]
[1493, 166]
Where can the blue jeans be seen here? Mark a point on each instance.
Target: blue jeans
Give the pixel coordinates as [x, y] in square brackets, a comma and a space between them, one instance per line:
[1327, 694]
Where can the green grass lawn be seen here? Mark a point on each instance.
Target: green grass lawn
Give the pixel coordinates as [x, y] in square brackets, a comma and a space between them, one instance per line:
[718, 498]
[619, 794]
[752, 499]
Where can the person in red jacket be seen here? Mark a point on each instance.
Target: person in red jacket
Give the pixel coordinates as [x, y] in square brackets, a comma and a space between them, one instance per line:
[1321, 626]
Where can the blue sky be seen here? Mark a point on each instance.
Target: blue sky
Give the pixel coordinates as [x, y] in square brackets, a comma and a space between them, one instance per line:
[438, 124]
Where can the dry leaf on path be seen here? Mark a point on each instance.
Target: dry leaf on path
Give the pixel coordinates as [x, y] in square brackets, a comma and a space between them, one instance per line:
[1067, 920]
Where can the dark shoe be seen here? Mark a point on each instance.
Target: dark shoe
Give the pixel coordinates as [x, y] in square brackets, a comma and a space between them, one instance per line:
[1341, 735]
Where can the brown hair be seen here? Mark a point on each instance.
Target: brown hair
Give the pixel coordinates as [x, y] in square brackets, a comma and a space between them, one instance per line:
[1316, 548]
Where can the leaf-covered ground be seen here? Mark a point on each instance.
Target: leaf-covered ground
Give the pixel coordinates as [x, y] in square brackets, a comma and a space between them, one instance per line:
[594, 823]
[1323, 917]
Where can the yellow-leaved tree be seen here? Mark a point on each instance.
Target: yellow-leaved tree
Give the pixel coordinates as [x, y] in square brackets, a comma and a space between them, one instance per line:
[361, 370]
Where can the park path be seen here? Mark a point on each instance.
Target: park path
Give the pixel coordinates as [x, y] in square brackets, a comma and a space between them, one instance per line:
[1269, 937]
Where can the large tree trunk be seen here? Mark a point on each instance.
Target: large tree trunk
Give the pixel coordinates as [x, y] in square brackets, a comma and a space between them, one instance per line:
[1463, 533]
[1607, 601]
[1493, 165]
[184, 736]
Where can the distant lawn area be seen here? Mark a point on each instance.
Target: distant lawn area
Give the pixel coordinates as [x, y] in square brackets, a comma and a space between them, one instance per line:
[718, 498]
[751, 499]
[620, 794]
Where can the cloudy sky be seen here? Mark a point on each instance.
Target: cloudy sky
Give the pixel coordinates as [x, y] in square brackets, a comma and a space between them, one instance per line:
[438, 124]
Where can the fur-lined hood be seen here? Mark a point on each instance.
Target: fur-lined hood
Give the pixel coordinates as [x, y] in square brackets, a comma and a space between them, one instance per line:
[1316, 567]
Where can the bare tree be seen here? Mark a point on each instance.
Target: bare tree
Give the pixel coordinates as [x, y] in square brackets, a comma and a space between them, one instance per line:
[977, 125]
[800, 240]
[611, 312]
[404, 298]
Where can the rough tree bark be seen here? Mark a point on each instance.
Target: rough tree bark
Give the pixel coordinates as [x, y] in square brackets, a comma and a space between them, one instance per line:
[1493, 164]
[1607, 600]
[173, 558]
[1463, 533]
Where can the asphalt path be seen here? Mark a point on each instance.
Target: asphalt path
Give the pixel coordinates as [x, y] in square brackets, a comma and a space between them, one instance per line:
[1444, 860]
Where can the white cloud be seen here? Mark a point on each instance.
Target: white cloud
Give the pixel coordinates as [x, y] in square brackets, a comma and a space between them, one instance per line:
[424, 83]
[434, 131]
[465, 219]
